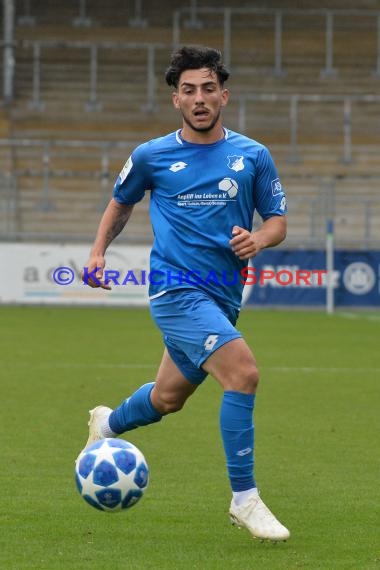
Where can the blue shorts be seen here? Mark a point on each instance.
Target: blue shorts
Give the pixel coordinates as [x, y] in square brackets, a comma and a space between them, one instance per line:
[193, 326]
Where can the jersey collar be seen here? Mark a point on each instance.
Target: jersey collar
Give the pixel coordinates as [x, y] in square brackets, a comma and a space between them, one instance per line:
[181, 141]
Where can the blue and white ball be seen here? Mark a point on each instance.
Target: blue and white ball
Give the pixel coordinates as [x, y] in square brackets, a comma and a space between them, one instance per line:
[111, 474]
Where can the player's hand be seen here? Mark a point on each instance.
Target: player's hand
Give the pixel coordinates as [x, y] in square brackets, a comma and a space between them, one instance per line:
[92, 273]
[244, 243]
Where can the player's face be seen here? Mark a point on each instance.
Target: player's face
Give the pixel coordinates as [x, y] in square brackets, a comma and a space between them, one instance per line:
[200, 98]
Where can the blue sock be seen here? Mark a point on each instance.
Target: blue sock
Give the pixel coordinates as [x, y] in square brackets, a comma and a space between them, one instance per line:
[134, 411]
[236, 425]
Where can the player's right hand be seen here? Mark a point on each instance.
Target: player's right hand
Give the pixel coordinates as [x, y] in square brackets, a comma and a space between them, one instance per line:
[92, 273]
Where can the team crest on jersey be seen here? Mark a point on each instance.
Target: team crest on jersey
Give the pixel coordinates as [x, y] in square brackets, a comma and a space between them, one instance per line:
[235, 162]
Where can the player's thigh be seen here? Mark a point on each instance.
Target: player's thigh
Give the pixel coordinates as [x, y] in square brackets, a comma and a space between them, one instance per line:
[171, 388]
[194, 326]
[234, 366]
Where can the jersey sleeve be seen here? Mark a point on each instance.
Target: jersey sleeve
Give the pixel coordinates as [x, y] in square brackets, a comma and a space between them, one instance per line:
[270, 198]
[134, 179]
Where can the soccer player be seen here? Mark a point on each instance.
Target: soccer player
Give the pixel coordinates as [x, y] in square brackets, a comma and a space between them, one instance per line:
[205, 182]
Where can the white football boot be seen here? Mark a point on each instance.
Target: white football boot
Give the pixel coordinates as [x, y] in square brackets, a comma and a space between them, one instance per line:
[97, 418]
[255, 516]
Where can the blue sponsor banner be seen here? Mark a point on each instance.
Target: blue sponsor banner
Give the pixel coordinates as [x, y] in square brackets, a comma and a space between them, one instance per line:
[295, 277]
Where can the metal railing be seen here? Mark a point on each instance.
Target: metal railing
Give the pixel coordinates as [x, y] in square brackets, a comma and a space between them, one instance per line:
[356, 218]
[150, 105]
[41, 177]
[295, 101]
[198, 16]
[93, 49]
[192, 17]
[28, 18]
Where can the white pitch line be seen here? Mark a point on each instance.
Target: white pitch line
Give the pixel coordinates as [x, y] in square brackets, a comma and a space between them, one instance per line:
[371, 317]
[134, 366]
[324, 369]
[99, 365]
[85, 365]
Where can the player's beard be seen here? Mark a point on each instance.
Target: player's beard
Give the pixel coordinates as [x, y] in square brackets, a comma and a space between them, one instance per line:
[204, 129]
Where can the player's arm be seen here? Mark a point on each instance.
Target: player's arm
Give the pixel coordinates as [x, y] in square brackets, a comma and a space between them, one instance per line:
[247, 244]
[112, 223]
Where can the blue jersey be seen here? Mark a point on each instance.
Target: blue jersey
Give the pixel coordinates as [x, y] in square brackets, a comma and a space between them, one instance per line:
[198, 192]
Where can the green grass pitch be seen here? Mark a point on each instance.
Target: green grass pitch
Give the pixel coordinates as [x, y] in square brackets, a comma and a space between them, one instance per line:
[317, 445]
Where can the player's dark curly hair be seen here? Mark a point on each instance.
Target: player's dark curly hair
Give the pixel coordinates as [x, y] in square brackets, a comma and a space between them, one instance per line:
[195, 57]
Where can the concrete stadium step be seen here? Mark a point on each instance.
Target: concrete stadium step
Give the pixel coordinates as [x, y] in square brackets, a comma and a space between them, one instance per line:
[76, 190]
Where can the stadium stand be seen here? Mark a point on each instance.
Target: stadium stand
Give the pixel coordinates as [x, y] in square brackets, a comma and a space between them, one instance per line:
[85, 95]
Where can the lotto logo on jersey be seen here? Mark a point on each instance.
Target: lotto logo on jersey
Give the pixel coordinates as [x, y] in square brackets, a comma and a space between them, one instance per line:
[178, 166]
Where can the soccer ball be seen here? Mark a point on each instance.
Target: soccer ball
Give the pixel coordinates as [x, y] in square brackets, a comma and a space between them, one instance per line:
[111, 474]
[230, 186]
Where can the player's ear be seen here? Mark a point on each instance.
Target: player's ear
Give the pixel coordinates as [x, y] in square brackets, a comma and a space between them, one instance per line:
[225, 96]
[175, 99]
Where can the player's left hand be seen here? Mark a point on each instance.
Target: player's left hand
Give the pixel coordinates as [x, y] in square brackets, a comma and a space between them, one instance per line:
[244, 243]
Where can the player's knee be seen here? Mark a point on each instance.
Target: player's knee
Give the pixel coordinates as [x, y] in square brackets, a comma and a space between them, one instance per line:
[168, 404]
[244, 379]
[250, 379]
[173, 406]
